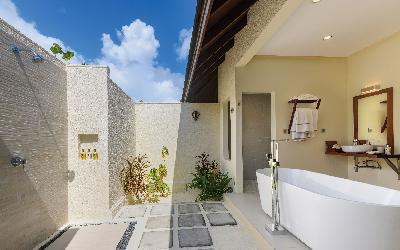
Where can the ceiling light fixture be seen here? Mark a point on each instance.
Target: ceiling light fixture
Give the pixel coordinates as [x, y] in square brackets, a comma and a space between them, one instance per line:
[316, 1]
[326, 38]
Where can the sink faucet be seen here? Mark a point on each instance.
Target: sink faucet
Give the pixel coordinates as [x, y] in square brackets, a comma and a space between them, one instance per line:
[355, 142]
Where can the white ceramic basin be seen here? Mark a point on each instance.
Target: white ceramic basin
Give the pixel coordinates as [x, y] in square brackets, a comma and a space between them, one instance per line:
[357, 148]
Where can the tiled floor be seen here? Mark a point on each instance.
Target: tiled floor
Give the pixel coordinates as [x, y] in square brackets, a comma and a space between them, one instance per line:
[200, 226]
[247, 206]
[194, 226]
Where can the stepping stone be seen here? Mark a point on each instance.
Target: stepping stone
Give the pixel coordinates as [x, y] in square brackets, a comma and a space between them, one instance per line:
[189, 209]
[133, 211]
[221, 219]
[191, 220]
[162, 209]
[156, 240]
[159, 222]
[213, 207]
[195, 237]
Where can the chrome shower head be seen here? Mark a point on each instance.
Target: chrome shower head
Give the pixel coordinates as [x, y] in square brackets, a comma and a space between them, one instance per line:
[36, 58]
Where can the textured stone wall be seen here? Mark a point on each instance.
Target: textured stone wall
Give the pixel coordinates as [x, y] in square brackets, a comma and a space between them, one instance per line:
[121, 142]
[88, 187]
[33, 125]
[172, 125]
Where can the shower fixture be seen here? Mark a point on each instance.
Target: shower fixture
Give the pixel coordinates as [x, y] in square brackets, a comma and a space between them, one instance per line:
[36, 58]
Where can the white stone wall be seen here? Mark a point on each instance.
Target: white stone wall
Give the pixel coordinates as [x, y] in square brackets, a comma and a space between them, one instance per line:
[172, 125]
[33, 125]
[88, 189]
[121, 140]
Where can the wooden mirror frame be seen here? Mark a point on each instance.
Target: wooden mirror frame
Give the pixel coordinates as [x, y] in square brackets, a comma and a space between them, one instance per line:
[389, 126]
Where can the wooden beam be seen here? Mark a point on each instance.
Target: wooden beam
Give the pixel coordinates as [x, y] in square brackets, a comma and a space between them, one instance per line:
[218, 29]
[214, 57]
[207, 91]
[210, 68]
[201, 82]
[227, 34]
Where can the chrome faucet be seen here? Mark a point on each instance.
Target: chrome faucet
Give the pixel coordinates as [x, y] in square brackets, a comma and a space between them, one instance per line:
[355, 142]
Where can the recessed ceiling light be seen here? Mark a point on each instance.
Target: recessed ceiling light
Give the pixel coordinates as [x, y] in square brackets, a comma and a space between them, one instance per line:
[316, 1]
[326, 38]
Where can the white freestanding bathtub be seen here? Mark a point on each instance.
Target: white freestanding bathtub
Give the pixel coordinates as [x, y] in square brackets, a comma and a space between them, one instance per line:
[327, 212]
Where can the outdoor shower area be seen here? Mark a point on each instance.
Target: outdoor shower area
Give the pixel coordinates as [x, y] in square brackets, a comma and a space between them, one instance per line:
[72, 129]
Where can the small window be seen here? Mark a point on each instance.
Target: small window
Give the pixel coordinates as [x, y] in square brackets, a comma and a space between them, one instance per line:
[227, 138]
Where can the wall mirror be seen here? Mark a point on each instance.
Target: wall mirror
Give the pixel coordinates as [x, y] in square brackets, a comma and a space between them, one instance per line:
[373, 117]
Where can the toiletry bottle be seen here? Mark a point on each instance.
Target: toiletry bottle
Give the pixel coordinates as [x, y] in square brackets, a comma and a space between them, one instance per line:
[89, 155]
[95, 155]
[388, 149]
[82, 155]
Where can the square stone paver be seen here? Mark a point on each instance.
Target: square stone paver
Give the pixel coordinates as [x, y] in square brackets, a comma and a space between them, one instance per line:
[156, 240]
[133, 211]
[162, 209]
[213, 207]
[195, 237]
[191, 220]
[221, 219]
[189, 209]
[159, 222]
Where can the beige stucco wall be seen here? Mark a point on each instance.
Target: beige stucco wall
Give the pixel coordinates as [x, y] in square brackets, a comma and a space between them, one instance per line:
[290, 76]
[378, 63]
[33, 125]
[264, 18]
[172, 125]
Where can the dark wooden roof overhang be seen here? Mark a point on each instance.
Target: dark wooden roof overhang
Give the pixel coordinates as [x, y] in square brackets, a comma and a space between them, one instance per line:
[216, 24]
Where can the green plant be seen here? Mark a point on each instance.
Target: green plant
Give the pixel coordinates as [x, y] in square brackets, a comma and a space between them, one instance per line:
[133, 178]
[156, 185]
[211, 182]
[56, 49]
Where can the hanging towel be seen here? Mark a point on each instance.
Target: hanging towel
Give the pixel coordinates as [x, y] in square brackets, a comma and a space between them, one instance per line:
[304, 124]
[309, 97]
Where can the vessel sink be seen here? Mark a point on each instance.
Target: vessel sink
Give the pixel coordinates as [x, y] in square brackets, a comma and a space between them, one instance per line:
[357, 148]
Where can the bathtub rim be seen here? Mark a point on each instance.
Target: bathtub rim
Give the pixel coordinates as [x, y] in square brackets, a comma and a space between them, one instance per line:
[329, 196]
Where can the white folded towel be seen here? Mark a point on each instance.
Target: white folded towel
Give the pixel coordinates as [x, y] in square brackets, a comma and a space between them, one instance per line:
[308, 97]
[304, 123]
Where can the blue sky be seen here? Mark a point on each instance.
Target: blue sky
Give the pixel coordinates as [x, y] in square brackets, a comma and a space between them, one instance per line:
[145, 42]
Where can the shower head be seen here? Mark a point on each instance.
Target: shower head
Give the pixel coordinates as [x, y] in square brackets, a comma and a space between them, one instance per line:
[36, 58]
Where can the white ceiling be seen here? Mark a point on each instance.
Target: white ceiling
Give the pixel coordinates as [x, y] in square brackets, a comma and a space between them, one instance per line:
[354, 24]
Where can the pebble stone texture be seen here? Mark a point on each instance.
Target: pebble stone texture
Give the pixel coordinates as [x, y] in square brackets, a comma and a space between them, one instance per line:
[33, 125]
[172, 125]
[258, 17]
[121, 139]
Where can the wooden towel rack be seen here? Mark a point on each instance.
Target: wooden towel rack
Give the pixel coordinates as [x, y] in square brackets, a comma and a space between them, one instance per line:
[297, 101]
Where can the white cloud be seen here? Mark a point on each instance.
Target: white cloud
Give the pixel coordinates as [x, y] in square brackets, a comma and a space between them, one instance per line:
[9, 12]
[185, 36]
[132, 60]
[133, 64]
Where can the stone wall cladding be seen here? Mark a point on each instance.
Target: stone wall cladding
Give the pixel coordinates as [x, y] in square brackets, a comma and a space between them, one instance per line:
[88, 190]
[121, 139]
[33, 125]
[172, 125]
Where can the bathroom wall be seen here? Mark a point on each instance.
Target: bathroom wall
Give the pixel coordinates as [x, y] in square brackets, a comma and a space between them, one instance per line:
[33, 125]
[121, 139]
[378, 63]
[88, 187]
[287, 77]
[172, 125]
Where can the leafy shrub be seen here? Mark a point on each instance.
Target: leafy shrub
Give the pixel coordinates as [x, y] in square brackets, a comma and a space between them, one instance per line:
[211, 182]
[133, 178]
[156, 185]
[56, 49]
[140, 186]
